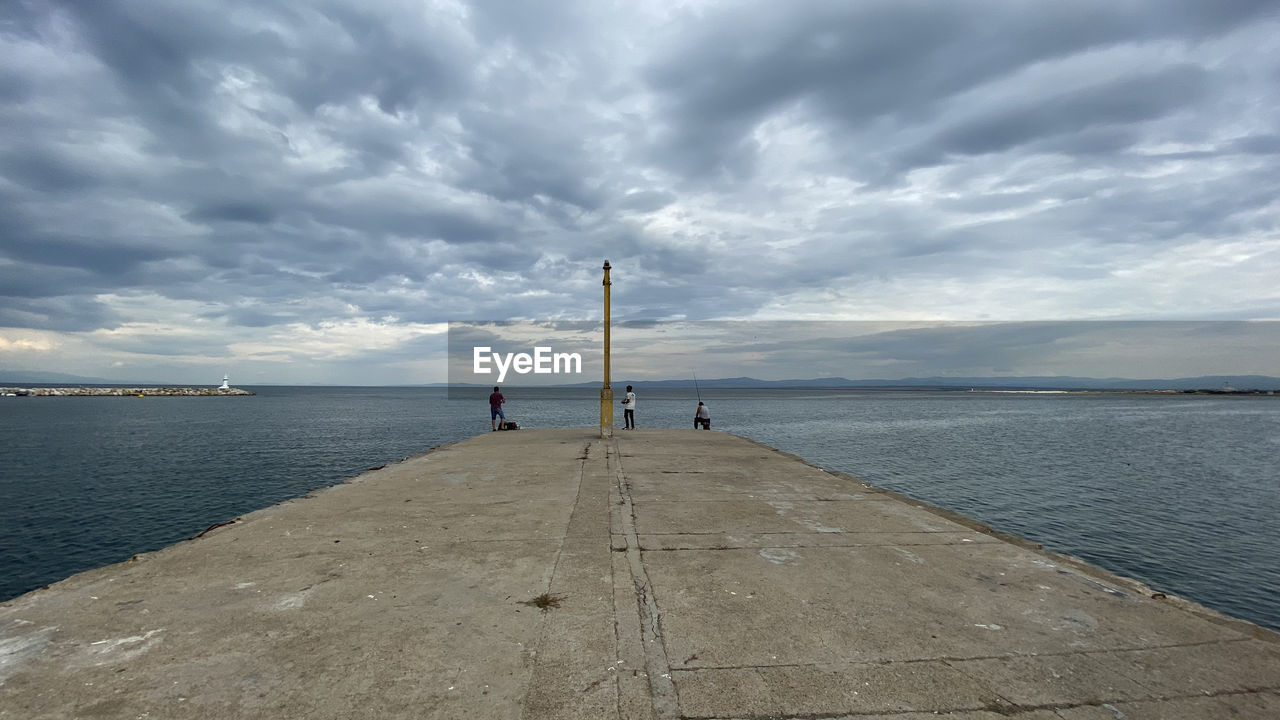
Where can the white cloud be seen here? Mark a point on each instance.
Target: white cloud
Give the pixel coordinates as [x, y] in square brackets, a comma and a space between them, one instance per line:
[331, 340]
[18, 343]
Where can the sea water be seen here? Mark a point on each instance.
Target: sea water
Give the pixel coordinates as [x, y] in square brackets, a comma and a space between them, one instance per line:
[1179, 491]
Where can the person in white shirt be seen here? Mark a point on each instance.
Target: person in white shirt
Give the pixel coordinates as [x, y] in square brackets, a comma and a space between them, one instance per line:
[702, 417]
[629, 412]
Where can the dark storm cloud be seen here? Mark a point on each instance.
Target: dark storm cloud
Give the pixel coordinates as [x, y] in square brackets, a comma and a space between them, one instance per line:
[517, 160]
[157, 51]
[78, 252]
[860, 62]
[62, 313]
[397, 68]
[46, 170]
[43, 281]
[1257, 145]
[247, 212]
[14, 89]
[1126, 100]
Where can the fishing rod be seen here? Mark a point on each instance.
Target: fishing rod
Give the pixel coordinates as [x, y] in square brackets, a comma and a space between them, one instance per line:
[695, 386]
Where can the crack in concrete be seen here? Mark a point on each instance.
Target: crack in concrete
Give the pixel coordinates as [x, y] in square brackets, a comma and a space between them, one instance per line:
[966, 658]
[666, 703]
[555, 567]
[619, 693]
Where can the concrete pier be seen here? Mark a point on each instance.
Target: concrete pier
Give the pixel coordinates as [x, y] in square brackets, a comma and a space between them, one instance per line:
[660, 574]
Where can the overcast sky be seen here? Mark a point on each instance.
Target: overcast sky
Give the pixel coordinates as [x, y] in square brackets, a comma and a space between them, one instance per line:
[308, 192]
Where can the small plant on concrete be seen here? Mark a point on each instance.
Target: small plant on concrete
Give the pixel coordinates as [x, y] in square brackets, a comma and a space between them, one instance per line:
[545, 601]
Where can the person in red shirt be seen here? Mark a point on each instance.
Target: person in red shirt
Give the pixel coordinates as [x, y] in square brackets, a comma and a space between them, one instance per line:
[495, 410]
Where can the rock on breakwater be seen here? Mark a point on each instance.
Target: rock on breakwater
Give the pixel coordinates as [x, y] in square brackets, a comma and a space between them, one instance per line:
[119, 392]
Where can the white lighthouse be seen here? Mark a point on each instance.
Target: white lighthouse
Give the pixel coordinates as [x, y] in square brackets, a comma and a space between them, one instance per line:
[226, 382]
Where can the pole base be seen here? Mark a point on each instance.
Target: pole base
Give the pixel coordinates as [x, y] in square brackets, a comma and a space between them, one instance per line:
[606, 412]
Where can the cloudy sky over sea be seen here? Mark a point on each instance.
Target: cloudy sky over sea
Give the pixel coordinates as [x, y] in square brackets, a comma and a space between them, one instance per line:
[309, 192]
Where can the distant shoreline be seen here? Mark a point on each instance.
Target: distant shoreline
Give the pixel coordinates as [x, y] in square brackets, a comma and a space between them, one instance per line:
[120, 392]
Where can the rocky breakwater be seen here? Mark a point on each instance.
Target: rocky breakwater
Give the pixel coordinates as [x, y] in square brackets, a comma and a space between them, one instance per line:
[119, 392]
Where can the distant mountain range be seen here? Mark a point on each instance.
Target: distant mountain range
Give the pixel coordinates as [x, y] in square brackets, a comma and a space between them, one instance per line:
[1047, 382]
[18, 377]
[1052, 382]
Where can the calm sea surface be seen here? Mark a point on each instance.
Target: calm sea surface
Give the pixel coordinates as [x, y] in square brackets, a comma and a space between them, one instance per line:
[1182, 492]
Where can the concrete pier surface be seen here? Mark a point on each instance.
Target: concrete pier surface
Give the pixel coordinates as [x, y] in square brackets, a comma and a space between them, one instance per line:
[662, 574]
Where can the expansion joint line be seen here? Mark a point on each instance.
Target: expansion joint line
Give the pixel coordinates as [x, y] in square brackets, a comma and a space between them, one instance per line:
[662, 690]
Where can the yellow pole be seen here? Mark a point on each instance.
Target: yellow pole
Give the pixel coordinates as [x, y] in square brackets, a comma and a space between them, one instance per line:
[606, 392]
